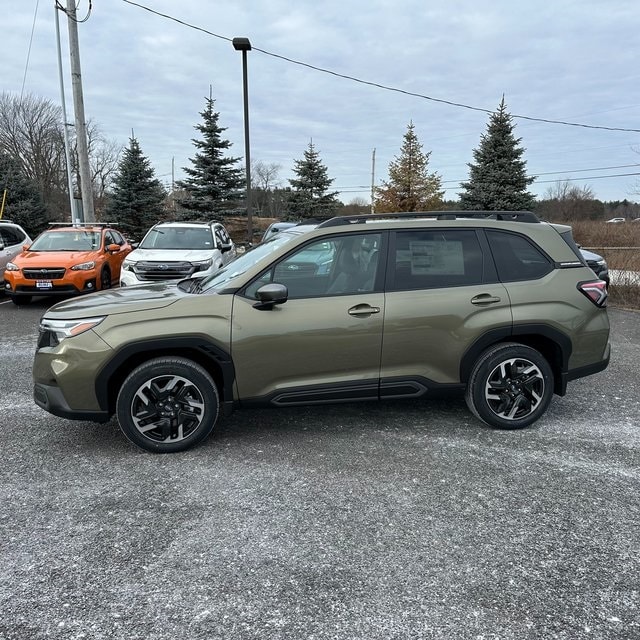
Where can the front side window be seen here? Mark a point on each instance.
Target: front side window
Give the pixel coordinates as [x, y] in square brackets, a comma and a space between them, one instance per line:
[343, 265]
[428, 259]
[222, 236]
[115, 238]
[517, 258]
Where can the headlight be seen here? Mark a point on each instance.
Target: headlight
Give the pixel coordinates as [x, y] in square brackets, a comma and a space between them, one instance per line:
[202, 265]
[128, 265]
[12, 267]
[52, 332]
[602, 263]
[84, 266]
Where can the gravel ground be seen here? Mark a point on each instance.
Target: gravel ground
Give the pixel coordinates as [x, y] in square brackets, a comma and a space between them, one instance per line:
[364, 521]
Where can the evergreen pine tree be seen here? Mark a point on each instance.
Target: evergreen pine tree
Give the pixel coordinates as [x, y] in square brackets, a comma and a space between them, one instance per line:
[498, 180]
[410, 186]
[309, 197]
[214, 184]
[137, 199]
[23, 203]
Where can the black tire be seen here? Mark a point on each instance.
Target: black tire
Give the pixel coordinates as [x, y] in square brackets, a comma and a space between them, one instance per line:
[21, 301]
[510, 387]
[168, 404]
[105, 278]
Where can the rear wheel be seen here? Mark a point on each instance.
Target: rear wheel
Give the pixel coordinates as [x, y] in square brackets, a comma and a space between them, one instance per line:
[20, 301]
[510, 387]
[168, 404]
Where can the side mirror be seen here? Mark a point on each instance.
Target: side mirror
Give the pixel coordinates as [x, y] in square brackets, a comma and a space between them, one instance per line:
[113, 248]
[226, 247]
[270, 295]
[25, 247]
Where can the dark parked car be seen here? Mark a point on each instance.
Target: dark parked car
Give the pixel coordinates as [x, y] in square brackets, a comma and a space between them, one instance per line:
[597, 263]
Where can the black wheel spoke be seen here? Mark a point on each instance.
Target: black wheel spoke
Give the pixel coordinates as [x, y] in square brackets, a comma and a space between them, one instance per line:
[514, 388]
[167, 408]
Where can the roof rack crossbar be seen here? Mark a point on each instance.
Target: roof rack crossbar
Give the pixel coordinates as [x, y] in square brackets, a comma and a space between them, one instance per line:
[82, 224]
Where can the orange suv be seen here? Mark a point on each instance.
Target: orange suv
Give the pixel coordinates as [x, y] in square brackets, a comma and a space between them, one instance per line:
[67, 260]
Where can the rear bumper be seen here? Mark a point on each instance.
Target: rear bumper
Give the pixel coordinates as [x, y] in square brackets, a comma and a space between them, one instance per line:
[582, 372]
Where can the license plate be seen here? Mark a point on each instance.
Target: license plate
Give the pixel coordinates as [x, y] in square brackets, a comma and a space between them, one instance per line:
[44, 284]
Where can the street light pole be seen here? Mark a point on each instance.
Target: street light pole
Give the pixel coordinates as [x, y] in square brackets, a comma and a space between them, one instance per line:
[243, 44]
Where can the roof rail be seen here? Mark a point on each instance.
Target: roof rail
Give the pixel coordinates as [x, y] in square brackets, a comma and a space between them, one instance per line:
[512, 216]
[5, 220]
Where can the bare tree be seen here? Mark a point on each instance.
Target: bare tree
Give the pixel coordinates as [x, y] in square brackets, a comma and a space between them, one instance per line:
[264, 181]
[565, 201]
[31, 133]
[104, 158]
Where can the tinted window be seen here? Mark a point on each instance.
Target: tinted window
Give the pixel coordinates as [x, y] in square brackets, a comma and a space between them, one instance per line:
[344, 265]
[10, 236]
[436, 258]
[517, 258]
[222, 236]
[116, 238]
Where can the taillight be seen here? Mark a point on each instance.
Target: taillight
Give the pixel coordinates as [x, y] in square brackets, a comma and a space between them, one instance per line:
[595, 290]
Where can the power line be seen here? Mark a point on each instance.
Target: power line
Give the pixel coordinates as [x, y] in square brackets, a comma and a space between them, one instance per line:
[363, 189]
[26, 66]
[378, 85]
[534, 175]
[553, 173]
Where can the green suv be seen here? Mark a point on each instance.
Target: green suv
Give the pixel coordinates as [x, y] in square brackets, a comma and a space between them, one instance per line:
[497, 304]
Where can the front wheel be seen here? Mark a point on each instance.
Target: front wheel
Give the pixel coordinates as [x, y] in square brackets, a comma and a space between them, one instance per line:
[510, 387]
[168, 404]
[105, 278]
[20, 301]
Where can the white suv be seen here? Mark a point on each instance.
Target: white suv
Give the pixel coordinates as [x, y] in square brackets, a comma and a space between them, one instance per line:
[177, 250]
[12, 239]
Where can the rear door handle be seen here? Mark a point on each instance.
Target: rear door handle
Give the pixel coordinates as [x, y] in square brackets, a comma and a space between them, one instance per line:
[363, 310]
[485, 298]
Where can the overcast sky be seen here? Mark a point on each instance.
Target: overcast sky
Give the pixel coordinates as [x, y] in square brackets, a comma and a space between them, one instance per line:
[575, 61]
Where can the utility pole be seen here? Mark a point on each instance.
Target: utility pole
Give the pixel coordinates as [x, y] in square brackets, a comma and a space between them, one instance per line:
[373, 179]
[65, 124]
[78, 107]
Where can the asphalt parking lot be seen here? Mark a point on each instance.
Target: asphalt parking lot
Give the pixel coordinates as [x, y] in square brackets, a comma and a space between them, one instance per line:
[398, 520]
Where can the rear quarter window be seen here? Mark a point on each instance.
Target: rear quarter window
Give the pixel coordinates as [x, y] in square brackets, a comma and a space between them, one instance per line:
[517, 258]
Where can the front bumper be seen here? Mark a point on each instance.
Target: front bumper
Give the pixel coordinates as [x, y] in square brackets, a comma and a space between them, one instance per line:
[77, 287]
[51, 399]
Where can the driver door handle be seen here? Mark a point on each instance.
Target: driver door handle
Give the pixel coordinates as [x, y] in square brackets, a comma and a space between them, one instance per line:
[363, 310]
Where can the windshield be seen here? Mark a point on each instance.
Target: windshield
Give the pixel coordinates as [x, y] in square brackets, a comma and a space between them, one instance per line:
[67, 241]
[178, 238]
[246, 260]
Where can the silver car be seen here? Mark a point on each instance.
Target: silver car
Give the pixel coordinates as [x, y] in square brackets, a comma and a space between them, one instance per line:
[12, 239]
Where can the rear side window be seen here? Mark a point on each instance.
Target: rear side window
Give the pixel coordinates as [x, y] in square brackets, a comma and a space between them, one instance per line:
[427, 259]
[517, 258]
